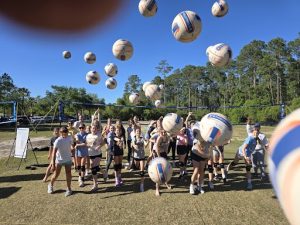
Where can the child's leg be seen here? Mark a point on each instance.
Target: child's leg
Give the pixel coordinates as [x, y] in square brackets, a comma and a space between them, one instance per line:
[55, 174]
[68, 169]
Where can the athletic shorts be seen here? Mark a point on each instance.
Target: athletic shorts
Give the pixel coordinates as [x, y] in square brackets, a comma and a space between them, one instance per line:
[67, 163]
[139, 159]
[197, 158]
[118, 152]
[182, 149]
[82, 152]
[96, 156]
[164, 155]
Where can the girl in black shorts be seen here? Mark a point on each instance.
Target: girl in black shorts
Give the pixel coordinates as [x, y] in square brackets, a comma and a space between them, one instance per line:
[118, 152]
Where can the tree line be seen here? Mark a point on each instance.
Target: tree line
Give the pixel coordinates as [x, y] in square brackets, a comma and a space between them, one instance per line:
[262, 77]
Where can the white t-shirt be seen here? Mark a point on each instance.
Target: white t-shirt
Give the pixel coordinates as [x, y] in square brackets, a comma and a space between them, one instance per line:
[63, 146]
[93, 141]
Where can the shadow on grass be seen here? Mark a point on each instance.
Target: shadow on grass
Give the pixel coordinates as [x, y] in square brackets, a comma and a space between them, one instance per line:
[25, 177]
[8, 191]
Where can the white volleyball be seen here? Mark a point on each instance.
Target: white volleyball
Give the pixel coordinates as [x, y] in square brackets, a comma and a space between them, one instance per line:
[92, 77]
[122, 49]
[158, 103]
[134, 98]
[145, 85]
[160, 170]
[148, 7]
[172, 123]
[66, 54]
[161, 86]
[215, 129]
[111, 69]
[219, 55]
[111, 83]
[186, 26]
[89, 57]
[220, 8]
[153, 92]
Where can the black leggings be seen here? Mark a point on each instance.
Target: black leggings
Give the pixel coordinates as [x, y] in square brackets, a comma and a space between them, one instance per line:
[172, 146]
[129, 150]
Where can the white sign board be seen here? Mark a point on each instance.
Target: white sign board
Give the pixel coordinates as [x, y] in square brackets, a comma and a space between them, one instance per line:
[21, 142]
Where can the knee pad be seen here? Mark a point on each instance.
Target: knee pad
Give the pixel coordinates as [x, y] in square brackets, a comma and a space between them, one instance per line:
[222, 166]
[83, 168]
[142, 173]
[95, 170]
[216, 165]
[248, 167]
[181, 164]
[210, 168]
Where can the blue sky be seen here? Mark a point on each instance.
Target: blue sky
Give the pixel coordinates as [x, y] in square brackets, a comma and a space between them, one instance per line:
[34, 59]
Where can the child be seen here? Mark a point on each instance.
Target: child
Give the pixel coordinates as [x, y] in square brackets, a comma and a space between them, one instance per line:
[118, 150]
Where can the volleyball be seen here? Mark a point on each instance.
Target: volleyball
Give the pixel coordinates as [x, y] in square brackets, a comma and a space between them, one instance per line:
[148, 7]
[111, 83]
[92, 77]
[134, 98]
[172, 123]
[122, 49]
[153, 92]
[215, 129]
[161, 86]
[219, 55]
[158, 103]
[145, 85]
[160, 170]
[66, 54]
[111, 69]
[219, 9]
[284, 166]
[196, 130]
[186, 26]
[90, 58]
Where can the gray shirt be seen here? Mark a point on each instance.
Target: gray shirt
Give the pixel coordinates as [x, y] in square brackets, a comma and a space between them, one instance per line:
[139, 150]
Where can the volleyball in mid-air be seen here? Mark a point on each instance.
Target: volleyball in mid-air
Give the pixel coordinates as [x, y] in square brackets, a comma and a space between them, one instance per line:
[158, 103]
[172, 123]
[160, 170]
[145, 85]
[186, 26]
[134, 98]
[220, 8]
[215, 129]
[196, 130]
[148, 7]
[219, 55]
[153, 92]
[92, 77]
[122, 49]
[284, 166]
[90, 57]
[111, 83]
[161, 86]
[66, 54]
[111, 69]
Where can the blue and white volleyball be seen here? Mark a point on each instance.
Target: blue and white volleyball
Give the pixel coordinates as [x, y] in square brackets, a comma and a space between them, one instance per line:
[122, 49]
[196, 130]
[145, 85]
[219, 55]
[134, 98]
[66, 54]
[220, 8]
[111, 69]
[148, 7]
[172, 123]
[153, 92]
[284, 162]
[111, 83]
[158, 103]
[160, 170]
[215, 129]
[186, 26]
[89, 57]
[92, 77]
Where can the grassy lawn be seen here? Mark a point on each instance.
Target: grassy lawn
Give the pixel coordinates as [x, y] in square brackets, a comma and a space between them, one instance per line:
[24, 198]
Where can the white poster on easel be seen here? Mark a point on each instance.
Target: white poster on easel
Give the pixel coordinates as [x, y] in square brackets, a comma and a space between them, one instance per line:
[21, 142]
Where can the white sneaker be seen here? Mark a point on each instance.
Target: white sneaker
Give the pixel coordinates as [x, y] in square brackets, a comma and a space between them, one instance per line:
[79, 179]
[81, 184]
[95, 188]
[192, 189]
[211, 185]
[68, 193]
[50, 189]
[201, 191]
[142, 188]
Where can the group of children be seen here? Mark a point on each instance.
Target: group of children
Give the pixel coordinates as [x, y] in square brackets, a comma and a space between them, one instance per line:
[81, 145]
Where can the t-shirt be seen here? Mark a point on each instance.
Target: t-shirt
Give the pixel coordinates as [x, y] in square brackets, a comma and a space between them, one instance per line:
[93, 141]
[181, 139]
[52, 140]
[139, 152]
[190, 136]
[81, 137]
[110, 141]
[251, 143]
[63, 146]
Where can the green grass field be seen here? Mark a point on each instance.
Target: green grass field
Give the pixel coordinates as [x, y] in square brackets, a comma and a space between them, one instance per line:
[24, 198]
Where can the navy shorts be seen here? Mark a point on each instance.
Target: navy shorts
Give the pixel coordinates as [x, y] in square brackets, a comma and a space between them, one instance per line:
[197, 158]
[182, 149]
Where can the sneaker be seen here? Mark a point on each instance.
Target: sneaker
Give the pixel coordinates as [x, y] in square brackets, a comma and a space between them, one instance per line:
[79, 179]
[230, 165]
[216, 177]
[249, 186]
[120, 181]
[50, 189]
[68, 193]
[211, 185]
[117, 183]
[141, 187]
[94, 188]
[201, 191]
[192, 189]
[105, 175]
[224, 180]
[81, 184]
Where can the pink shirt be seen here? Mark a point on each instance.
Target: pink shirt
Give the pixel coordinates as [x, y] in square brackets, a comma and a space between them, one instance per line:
[181, 139]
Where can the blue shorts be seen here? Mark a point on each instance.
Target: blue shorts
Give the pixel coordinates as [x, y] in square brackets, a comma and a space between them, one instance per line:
[82, 152]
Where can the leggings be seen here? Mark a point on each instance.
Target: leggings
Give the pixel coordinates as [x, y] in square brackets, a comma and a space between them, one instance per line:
[172, 146]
